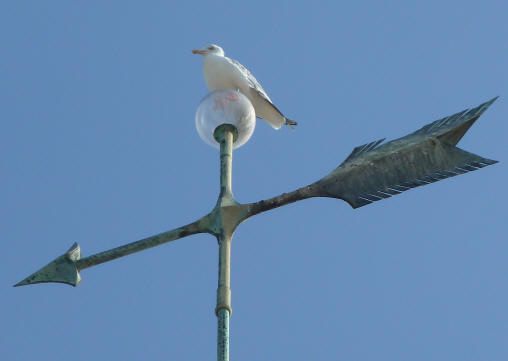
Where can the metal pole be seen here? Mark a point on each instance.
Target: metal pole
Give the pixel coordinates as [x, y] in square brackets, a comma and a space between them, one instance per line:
[223, 309]
[225, 135]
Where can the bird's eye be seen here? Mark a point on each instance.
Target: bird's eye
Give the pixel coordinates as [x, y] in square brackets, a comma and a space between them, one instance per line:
[210, 48]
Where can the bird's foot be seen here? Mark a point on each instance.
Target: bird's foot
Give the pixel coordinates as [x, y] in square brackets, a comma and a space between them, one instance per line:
[292, 124]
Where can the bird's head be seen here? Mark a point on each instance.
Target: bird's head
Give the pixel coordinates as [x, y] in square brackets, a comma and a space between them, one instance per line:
[210, 49]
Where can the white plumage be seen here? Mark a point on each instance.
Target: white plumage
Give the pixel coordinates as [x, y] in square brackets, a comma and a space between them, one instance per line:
[222, 72]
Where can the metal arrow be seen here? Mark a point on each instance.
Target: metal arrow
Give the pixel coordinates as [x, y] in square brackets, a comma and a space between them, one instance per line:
[371, 172]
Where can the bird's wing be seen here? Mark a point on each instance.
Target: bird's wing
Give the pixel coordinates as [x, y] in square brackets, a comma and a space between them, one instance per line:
[253, 83]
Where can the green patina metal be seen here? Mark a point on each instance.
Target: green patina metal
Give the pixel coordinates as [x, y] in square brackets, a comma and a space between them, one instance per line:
[223, 335]
[61, 270]
[225, 221]
[371, 172]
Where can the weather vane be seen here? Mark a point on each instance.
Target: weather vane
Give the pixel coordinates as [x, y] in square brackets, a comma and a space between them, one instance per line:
[374, 171]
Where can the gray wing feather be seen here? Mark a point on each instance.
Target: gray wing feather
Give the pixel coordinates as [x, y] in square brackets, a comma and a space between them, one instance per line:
[254, 84]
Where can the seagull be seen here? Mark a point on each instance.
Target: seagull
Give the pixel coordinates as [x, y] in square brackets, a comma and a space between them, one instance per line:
[222, 72]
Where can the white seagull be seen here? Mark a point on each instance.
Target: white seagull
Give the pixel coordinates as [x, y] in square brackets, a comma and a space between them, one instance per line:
[222, 72]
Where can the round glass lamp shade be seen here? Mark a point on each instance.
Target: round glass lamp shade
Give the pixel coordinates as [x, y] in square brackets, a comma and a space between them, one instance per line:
[225, 106]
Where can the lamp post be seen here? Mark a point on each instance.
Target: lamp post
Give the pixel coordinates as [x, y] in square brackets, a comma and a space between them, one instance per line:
[374, 171]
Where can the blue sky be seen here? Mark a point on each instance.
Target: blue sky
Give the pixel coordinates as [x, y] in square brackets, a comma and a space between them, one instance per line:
[98, 146]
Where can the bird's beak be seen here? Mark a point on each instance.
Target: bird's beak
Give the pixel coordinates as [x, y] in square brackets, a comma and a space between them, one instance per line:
[195, 51]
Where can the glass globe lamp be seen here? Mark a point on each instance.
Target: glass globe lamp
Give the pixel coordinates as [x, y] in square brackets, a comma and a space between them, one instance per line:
[225, 106]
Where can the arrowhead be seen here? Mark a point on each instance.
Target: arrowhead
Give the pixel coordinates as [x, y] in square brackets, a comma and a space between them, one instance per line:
[61, 270]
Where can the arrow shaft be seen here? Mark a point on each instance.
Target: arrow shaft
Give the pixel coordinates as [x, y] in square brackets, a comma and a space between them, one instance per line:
[98, 258]
[281, 200]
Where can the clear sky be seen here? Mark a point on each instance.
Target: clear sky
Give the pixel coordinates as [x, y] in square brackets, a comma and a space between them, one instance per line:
[98, 145]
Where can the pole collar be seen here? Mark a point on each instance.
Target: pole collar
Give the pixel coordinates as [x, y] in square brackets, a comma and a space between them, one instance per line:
[218, 133]
[223, 300]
